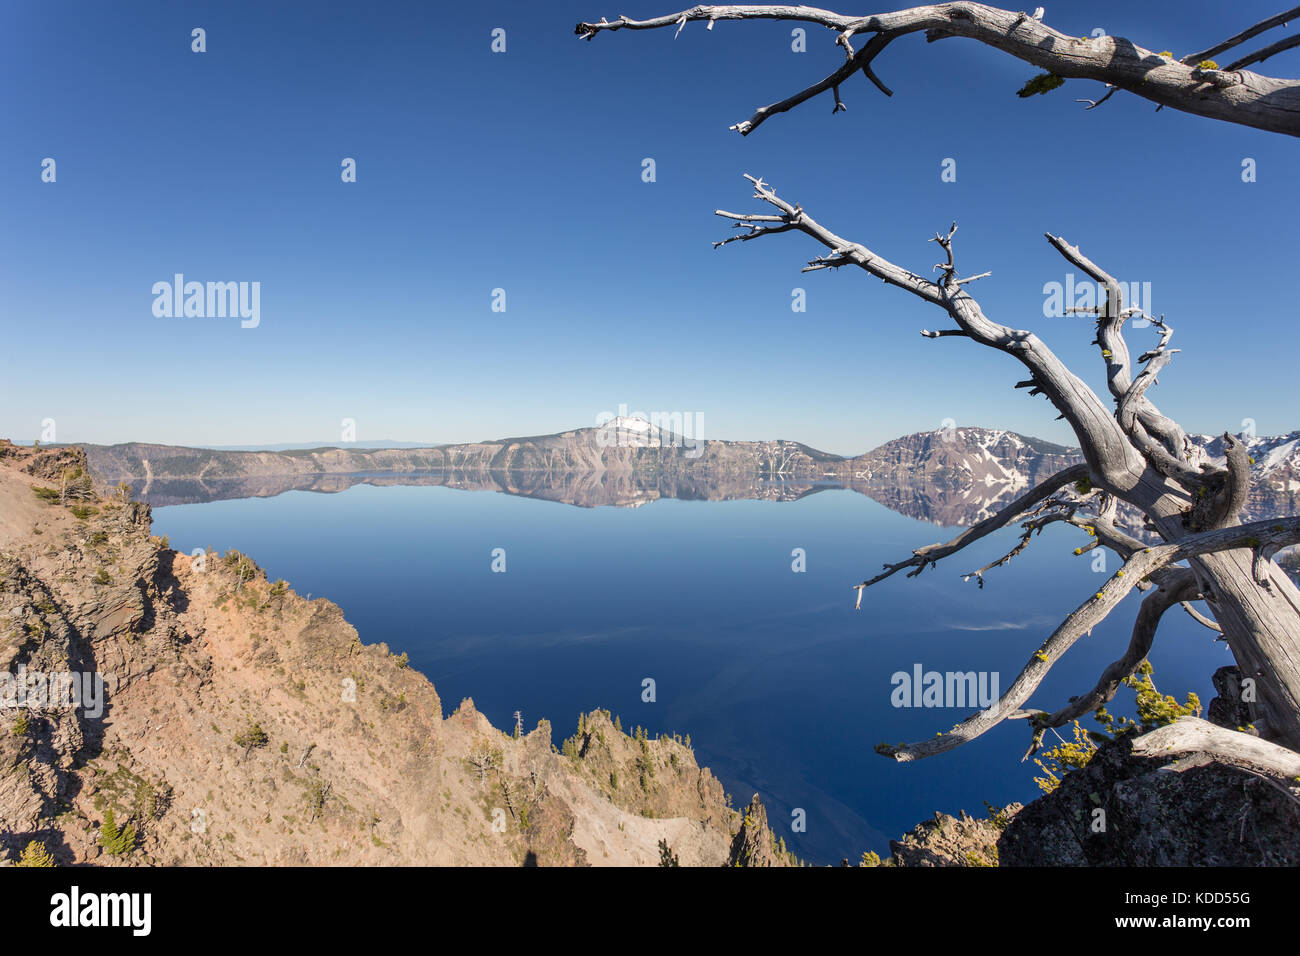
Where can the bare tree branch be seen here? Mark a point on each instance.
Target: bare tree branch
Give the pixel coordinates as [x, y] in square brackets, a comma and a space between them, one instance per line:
[932, 553]
[1093, 104]
[1235, 95]
[1119, 462]
[860, 60]
[1281, 19]
[1232, 498]
[1200, 618]
[1103, 532]
[1035, 525]
[1133, 453]
[1114, 350]
[1178, 587]
[1111, 457]
[1260, 55]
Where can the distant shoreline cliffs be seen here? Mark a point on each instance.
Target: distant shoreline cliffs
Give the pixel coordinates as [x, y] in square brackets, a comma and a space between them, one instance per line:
[950, 476]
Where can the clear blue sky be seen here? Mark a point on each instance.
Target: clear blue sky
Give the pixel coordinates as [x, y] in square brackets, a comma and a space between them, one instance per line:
[522, 171]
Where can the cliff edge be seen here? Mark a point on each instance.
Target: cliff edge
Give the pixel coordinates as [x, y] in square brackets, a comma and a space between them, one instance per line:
[163, 709]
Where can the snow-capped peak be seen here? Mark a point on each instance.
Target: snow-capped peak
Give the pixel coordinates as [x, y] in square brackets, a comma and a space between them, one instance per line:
[628, 423]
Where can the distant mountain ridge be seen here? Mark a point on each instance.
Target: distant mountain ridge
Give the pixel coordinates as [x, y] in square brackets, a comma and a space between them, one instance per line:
[953, 456]
[302, 445]
[953, 476]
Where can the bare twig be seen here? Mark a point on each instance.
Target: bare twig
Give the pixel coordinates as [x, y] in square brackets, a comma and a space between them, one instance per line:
[1260, 56]
[1200, 618]
[1093, 104]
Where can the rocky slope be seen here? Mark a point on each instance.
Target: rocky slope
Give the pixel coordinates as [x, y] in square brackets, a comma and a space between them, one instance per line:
[1132, 808]
[946, 840]
[246, 725]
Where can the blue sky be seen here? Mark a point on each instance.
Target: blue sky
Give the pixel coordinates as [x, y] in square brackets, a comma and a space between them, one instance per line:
[522, 171]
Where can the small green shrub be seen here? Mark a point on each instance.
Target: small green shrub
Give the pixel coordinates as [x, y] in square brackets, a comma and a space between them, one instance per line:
[35, 854]
[114, 839]
[251, 738]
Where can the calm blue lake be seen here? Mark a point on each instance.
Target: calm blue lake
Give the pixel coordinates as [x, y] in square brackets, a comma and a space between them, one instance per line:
[783, 687]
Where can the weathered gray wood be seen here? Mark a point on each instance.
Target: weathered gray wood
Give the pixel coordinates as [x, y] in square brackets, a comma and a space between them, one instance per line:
[1235, 95]
[1178, 588]
[1192, 735]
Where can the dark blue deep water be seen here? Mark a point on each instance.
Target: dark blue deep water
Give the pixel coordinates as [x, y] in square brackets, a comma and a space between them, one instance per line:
[783, 687]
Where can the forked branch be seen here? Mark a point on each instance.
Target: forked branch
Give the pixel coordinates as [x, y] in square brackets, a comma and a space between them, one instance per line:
[932, 553]
[1234, 94]
[1279, 20]
[1159, 438]
[1109, 452]
[1178, 587]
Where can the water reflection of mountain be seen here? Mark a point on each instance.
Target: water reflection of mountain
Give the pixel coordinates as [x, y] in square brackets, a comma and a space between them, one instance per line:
[950, 477]
[930, 502]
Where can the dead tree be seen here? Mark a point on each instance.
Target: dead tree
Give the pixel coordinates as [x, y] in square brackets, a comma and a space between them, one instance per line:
[484, 759]
[1193, 83]
[316, 798]
[1134, 454]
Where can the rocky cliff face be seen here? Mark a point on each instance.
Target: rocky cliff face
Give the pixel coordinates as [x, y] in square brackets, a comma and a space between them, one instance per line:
[1130, 809]
[242, 724]
[946, 840]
